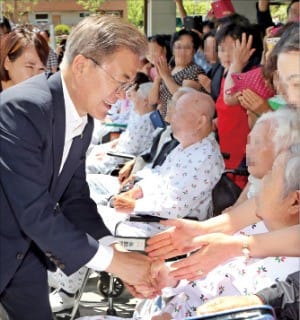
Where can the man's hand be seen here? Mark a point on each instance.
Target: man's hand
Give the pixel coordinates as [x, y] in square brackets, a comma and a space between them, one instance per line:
[226, 303]
[135, 270]
[214, 249]
[124, 204]
[175, 241]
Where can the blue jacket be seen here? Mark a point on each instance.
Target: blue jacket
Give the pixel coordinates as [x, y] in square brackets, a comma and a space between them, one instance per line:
[37, 204]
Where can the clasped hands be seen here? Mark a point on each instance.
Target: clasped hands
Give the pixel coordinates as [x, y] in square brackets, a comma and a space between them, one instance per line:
[125, 202]
[145, 278]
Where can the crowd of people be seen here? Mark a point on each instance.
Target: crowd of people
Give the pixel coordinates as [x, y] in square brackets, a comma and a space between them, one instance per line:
[191, 105]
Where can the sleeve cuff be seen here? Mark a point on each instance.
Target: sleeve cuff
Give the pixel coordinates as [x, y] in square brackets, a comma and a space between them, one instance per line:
[103, 257]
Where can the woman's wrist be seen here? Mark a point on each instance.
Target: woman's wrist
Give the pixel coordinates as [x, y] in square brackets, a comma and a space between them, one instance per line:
[242, 247]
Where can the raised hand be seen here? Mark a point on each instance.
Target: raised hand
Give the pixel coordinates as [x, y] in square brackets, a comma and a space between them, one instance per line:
[242, 51]
[174, 241]
[215, 248]
[162, 67]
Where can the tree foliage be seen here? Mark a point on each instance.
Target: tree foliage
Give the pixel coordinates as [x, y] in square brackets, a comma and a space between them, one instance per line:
[135, 9]
[91, 5]
[196, 7]
[16, 9]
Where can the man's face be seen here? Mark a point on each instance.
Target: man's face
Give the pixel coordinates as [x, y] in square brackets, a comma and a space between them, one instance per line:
[259, 151]
[288, 66]
[97, 87]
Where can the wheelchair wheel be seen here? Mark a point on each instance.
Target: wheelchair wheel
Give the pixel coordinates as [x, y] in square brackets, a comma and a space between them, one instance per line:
[103, 286]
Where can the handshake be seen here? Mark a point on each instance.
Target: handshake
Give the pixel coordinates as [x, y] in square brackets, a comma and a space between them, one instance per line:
[143, 277]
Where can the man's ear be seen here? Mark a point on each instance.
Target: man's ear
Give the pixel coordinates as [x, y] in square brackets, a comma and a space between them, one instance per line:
[202, 121]
[7, 63]
[79, 65]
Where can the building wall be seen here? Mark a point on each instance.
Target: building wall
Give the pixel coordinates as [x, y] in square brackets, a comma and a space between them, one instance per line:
[64, 11]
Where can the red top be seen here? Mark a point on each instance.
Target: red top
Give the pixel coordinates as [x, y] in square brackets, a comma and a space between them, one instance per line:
[233, 130]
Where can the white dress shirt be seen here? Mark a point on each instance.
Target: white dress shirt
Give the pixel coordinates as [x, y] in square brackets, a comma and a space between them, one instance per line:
[74, 127]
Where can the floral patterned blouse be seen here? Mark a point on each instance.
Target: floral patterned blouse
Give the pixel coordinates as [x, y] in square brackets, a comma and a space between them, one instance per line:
[181, 187]
[135, 140]
[238, 276]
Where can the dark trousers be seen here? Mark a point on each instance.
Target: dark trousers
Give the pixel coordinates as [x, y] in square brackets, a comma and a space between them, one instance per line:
[27, 297]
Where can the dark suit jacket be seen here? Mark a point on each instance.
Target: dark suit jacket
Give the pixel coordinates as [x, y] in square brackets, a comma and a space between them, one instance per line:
[36, 202]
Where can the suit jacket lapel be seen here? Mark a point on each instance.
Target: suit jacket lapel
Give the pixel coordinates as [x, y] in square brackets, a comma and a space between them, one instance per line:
[76, 154]
[59, 119]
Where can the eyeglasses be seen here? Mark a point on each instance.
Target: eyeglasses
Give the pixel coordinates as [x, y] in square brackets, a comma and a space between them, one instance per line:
[122, 86]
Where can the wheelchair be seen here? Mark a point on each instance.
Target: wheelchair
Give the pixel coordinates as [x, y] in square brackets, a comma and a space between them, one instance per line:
[224, 194]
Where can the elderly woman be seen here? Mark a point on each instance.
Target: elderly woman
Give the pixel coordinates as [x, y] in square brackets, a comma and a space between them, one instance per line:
[277, 208]
[185, 72]
[23, 54]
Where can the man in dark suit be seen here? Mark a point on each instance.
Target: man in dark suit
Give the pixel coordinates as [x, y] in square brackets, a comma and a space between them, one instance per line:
[46, 214]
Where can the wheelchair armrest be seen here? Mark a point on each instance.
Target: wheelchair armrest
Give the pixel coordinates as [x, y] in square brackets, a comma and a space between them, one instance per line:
[238, 172]
[120, 155]
[145, 218]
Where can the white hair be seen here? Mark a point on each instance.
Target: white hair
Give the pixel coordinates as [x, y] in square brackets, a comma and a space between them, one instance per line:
[292, 174]
[144, 89]
[284, 127]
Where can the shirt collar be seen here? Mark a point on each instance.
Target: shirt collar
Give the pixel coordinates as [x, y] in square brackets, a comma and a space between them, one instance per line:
[74, 123]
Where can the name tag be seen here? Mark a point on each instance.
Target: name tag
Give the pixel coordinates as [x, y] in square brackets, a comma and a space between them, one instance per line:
[132, 243]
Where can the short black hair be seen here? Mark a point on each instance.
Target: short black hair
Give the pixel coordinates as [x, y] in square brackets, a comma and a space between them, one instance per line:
[209, 24]
[4, 24]
[183, 32]
[235, 18]
[47, 32]
[163, 40]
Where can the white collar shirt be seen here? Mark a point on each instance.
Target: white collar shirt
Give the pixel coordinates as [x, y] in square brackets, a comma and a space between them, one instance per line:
[75, 124]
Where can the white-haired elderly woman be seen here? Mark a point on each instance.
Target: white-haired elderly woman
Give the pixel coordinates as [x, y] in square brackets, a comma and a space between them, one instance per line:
[277, 206]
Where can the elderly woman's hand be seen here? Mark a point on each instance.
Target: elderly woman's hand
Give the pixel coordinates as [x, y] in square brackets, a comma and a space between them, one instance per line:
[124, 204]
[214, 249]
[163, 67]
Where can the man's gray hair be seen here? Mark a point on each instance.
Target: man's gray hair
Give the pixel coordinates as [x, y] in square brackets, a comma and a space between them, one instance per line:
[100, 36]
[284, 127]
